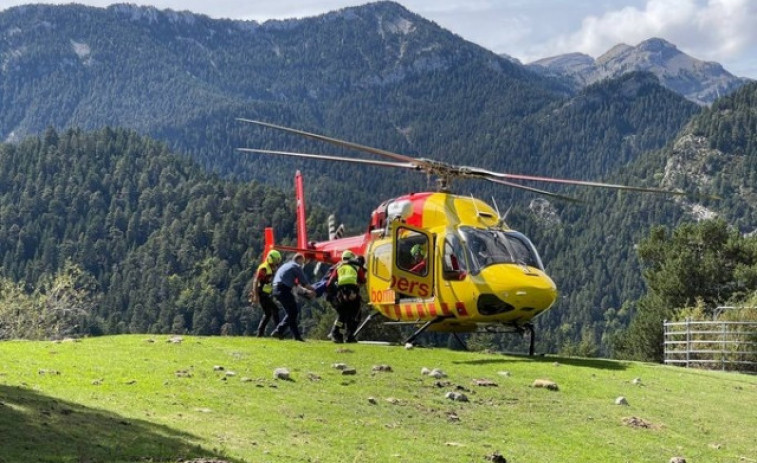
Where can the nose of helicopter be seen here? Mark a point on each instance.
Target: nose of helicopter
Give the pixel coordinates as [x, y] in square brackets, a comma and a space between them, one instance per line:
[513, 288]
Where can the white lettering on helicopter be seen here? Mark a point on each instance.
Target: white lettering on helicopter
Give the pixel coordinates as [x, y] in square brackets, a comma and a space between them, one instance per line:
[414, 288]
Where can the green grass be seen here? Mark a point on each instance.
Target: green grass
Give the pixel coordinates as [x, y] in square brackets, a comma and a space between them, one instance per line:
[116, 399]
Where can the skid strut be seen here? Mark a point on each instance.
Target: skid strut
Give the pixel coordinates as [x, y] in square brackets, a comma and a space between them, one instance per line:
[424, 328]
[530, 328]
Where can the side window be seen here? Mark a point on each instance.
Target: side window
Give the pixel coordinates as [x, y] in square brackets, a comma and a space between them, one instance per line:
[412, 252]
[382, 262]
[453, 264]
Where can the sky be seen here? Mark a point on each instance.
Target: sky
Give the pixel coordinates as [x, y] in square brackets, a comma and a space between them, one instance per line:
[724, 31]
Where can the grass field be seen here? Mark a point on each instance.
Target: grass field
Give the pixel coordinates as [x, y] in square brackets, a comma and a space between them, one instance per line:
[144, 399]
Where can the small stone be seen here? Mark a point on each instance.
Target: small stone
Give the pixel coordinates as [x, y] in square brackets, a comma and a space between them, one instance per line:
[392, 400]
[456, 396]
[425, 371]
[183, 374]
[372, 400]
[506, 374]
[230, 373]
[496, 457]
[175, 340]
[621, 401]
[546, 384]
[313, 377]
[678, 460]
[245, 379]
[408, 346]
[131, 381]
[218, 368]
[349, 371]
[385, 368]
[484, 383]
[339, 366]
[437, 373]
[636, 381]
[281, 373]
[97, 382]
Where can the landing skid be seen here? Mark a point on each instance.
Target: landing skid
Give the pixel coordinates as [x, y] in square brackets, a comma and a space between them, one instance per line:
[509, 329]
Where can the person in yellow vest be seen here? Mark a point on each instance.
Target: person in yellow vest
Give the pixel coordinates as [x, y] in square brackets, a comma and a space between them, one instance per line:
[347, 275]
[262, 290]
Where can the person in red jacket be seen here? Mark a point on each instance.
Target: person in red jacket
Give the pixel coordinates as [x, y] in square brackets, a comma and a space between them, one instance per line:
[262, 290]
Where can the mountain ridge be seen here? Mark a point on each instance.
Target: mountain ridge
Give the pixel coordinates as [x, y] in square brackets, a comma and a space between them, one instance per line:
[699, 81]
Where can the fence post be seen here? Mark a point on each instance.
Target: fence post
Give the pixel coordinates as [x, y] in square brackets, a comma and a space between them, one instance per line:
[688, 341]
[665, 342]
[723, 344]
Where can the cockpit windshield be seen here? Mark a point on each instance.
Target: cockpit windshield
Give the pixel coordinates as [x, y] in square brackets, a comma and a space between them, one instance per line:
[488, 246]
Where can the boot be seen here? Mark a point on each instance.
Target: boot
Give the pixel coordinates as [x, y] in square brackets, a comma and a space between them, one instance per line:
[336, 334]
[351, 338]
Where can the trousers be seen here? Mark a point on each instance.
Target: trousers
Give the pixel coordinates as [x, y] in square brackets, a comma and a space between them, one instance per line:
[284, 295]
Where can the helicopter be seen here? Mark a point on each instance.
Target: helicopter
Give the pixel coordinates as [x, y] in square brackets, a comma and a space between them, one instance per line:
[435, 260]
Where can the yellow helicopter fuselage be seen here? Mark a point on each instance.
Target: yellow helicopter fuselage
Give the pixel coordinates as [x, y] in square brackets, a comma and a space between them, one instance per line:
[477, 271]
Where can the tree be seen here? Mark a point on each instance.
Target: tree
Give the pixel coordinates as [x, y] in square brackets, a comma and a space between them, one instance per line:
[706, 263]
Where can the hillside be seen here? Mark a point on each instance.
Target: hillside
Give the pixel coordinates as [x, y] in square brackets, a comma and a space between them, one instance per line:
[216, 398]
[378, 75]
[170, 247]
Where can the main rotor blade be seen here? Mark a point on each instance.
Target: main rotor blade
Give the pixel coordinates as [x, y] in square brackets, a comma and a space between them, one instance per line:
[324, 157]
[337, 142]
[473, 171]
[528, 188]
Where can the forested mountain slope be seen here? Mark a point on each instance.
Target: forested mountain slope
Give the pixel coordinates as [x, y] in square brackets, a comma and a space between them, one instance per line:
[170, 247]
[592, 251]
[377, 75]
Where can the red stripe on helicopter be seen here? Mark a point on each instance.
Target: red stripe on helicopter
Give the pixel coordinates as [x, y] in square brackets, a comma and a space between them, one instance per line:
[421, 312]
[445, 309]
[397, 312]
[461, 308]
[432, 309]
[419, 200]
[409, 310]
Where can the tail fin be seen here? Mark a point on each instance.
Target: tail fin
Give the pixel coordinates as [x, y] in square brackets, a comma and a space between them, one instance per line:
[299, 189]
[268, 241]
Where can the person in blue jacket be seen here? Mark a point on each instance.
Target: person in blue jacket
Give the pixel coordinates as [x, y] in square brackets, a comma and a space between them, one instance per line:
[289, 277]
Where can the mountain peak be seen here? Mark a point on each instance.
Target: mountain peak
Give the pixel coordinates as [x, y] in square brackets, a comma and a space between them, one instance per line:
[699, 81]
[655, 44]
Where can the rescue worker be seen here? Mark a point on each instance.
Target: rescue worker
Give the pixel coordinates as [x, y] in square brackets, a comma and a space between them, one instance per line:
[347, 275]
[418, 255]
[287, 279]
[262, 290]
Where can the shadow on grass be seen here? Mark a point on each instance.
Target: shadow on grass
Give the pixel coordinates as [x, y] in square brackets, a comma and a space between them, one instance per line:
[36, 428]
[577, 362]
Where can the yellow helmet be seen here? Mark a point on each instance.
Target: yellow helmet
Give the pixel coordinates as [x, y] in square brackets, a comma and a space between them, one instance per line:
[417, 250]
[274, 257]
[347, 255]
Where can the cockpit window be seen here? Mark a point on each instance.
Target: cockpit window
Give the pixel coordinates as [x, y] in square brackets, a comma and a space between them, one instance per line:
[489, 246]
